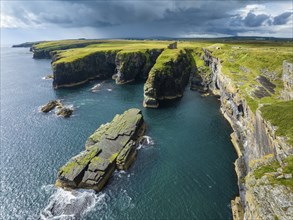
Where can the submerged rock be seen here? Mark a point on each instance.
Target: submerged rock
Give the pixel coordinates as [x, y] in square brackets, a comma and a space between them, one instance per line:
[111, 146]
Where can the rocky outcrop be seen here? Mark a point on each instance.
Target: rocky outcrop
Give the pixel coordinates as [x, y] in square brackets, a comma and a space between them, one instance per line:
[253, 139]
[50, 105]
[287, 77]
[173, 45]
[65, 112]
[168, 77]
[100, 65]
[112, 146]
[134, 65]
[61, 110]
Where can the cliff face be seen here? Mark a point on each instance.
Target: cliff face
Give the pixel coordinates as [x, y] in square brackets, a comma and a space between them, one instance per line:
[135, 65]
[168, 77]
[100, 65]
[253, 138]
[287, 78]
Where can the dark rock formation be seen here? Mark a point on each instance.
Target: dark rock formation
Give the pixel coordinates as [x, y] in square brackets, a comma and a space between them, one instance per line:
[111, 146]
[134, 65]
[172, 46]
[168, 78]
[65, 112]
[100, 65]
[50, 105]
[61, 110]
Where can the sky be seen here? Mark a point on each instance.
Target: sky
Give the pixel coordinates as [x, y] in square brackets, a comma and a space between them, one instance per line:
[25, 20]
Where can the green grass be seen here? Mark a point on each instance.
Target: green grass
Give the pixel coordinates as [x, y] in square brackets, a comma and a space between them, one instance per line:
[260, 172]
[280, 114]
[67, 56]
[243, 63]
[288, 168]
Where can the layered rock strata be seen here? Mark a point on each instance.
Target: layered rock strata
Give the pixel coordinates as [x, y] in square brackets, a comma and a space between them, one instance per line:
[112, 146]
[134, 65]
[100, 65]
[168, 77]
[287, 78]
[253, 138]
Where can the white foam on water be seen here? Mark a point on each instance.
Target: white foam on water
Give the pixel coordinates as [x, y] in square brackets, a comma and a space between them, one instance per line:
[109, 90]
[71, 204]
[145, 142]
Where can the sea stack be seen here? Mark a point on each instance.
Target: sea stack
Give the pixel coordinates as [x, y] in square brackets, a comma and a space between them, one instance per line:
[112, 146]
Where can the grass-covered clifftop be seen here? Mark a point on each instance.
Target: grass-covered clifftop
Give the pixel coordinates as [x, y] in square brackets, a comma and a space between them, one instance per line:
[168, 76]
[254, 67]
[253, 79]
[256, 72]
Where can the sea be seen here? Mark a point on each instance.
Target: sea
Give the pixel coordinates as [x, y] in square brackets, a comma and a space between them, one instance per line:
[185, 170]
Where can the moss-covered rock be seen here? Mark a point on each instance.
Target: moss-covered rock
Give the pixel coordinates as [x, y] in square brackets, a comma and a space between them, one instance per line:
[168, 77]
[133, 65]
[111, 146]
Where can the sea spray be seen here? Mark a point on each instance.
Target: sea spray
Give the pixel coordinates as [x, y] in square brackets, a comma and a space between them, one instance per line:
[71, 204]
[145, 142]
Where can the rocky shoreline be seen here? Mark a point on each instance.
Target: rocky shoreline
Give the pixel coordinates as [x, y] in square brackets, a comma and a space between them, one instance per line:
[254, 139]
[167, 71]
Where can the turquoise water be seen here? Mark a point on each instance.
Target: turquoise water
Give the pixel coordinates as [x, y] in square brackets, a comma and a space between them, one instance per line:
[188, 172]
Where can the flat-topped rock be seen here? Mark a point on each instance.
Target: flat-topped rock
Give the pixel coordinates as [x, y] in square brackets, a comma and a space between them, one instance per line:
[112, 146]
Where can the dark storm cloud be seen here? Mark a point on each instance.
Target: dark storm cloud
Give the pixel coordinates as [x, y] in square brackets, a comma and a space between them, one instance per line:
[282, 18]
[137, 18]
[252, 20]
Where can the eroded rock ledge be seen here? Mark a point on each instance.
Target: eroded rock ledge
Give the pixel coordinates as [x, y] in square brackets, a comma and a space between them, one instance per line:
[112, 146]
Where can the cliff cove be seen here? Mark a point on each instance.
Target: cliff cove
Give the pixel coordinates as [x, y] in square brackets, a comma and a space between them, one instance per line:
[159, 74]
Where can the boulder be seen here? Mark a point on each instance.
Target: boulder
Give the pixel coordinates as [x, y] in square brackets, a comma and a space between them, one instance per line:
[50, 105]
[65, 112]
[112, 146]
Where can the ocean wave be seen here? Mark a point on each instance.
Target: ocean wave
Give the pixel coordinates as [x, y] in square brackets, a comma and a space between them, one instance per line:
[73, 204]
[145, 142]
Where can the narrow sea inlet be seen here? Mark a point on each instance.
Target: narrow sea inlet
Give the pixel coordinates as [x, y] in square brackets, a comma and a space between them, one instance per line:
[185, 172]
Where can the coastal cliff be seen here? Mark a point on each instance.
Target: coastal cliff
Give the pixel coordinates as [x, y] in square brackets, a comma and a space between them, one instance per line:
[112, 146]
[255, 140]
[131, 65]
[168, 77]
[100, 65]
